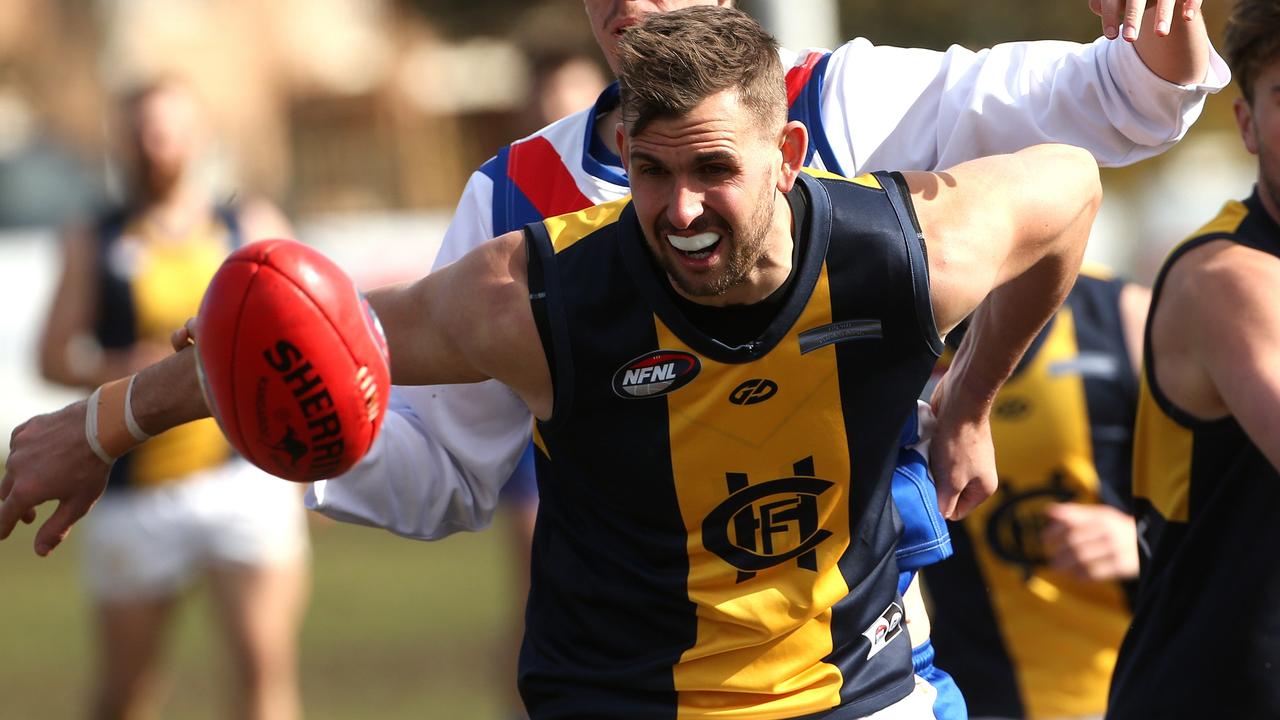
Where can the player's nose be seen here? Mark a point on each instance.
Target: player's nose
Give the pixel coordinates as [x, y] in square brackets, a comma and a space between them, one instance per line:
[685, 206]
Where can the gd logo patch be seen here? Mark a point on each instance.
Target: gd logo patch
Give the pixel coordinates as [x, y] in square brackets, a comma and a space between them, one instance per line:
[763, 525]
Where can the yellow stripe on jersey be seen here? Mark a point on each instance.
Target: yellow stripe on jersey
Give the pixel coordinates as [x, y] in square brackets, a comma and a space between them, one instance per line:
[1161, 446]
[1054, 626]
[565, 230]
[863, 180]
[1161, 459]
[763, 634]
[167, 286]
[538, 441]
[1228, 220]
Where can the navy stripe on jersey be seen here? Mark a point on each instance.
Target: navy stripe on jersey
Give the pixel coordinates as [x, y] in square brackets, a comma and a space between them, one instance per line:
[627, 539]
[870, 375]
[1111, 389]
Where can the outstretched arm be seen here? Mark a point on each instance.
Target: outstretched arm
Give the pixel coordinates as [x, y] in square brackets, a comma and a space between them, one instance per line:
[893, 108]
[437, 333]
[50, 458]
[1005, 237]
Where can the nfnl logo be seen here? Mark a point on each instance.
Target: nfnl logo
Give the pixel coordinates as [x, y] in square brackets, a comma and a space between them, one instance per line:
[766, 524]
[656, 373]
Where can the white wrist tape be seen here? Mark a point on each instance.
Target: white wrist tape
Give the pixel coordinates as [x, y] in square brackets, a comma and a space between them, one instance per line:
[109, 425]
[130, 421]
[91, 427]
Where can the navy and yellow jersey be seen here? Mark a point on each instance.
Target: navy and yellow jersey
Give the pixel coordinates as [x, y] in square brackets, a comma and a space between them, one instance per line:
[715, 536]
[1023, 640]
[1205, 639]
[147, 286]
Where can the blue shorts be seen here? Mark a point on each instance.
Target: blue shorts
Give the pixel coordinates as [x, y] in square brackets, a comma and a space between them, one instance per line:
[949, 705]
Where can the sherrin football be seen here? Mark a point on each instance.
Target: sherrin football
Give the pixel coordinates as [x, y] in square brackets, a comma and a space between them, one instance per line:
[292, 360]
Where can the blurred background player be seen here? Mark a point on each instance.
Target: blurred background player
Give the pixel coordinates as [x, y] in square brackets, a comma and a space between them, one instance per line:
[1205, 639]
[1029, 612]
[181, 507]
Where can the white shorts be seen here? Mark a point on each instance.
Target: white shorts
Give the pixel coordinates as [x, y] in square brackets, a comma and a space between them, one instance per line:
[916, 706]
[152, 542]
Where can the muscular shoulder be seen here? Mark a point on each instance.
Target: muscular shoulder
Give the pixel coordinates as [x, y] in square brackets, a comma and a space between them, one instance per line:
[1223, 281]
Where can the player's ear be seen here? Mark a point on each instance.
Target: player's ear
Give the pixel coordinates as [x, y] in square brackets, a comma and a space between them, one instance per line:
[1244, 121]
[794, 146]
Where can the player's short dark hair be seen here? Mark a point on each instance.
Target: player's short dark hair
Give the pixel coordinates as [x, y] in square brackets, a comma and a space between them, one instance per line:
[1253, 41]
[672, 61]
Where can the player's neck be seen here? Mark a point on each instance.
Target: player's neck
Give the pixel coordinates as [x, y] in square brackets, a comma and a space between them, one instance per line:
[1269, 196]
[607, 128]
[173, 214]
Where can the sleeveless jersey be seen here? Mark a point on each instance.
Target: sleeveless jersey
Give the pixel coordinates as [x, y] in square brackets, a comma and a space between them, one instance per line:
[1205, 640]
[147, 287]
[1023, 640]
[552, 172]
[715, 536]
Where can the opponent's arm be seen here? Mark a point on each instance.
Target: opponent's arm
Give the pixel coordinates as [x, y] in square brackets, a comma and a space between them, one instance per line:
[1005, 236]
[1169, 36]
[893, 108]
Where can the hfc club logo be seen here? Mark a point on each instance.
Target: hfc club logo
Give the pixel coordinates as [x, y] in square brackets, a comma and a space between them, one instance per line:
[769, 523]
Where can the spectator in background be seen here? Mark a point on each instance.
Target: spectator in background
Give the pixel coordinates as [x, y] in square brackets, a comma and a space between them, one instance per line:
[1030, 611]
[182, 506]
[563, 84]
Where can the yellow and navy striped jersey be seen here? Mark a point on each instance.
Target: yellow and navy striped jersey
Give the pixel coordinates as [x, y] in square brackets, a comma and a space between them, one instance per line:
[1205, 640]
[147, 287]
[715, 537]
[1020, 639]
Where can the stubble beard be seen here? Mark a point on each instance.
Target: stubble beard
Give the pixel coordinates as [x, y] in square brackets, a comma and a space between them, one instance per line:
[744, 255]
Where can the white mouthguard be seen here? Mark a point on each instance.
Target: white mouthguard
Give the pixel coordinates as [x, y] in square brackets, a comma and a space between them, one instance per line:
[694, 243]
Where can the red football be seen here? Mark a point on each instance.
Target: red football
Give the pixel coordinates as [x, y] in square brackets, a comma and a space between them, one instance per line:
[292, 361]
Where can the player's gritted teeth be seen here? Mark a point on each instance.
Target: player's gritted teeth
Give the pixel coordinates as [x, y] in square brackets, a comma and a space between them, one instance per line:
[695, 245]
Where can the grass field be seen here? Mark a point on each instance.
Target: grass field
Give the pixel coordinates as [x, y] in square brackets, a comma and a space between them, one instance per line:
[396, 629]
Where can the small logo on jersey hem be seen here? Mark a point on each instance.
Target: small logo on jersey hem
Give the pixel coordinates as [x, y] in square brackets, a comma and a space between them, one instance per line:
[884, 630]
[656, 373]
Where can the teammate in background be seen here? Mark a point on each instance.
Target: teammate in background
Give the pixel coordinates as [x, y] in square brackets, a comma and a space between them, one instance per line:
[1028, 614]
[659, 590]
[179, 508]
[866, 107]
[1205, 639]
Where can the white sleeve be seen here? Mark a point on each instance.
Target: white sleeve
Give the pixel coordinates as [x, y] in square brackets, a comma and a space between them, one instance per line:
[445, 450]
[887, 108]
[437, 466]
[472, 223]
